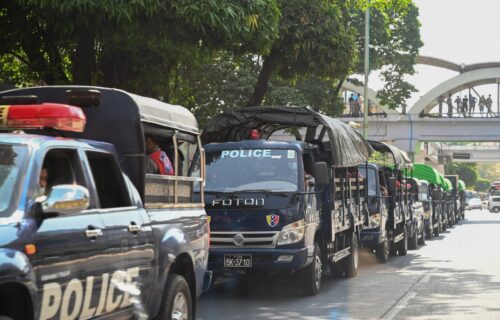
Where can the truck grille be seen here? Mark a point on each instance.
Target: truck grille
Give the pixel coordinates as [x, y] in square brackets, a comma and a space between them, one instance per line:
[244, 239]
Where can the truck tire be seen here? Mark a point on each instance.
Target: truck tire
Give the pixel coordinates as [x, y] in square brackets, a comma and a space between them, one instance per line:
[352, 261]
[496, 209]
[403, 244]
[177, 303]
[429, 231]
[311, 275]
[382, 251]
[413, 240]
[421, 241]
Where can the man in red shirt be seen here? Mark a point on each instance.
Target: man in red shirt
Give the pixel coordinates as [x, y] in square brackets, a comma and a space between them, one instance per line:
[157, 161]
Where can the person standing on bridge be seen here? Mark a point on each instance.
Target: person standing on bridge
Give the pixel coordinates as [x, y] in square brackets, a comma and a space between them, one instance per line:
[458, 102]
[440, 102]
[489, 104]
[465, 101]
[351, 104]
[472, 105]
[482, 102]
[449, 102]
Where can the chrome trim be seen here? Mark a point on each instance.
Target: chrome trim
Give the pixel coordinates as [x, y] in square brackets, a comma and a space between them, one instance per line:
[228, 240]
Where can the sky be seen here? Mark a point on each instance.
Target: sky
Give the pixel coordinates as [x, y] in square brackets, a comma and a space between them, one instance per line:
[461, 31]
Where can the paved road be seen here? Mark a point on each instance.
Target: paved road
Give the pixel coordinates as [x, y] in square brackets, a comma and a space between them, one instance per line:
[455, 276]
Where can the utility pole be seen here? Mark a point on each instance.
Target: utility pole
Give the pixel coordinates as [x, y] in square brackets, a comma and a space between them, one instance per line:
[367, 68]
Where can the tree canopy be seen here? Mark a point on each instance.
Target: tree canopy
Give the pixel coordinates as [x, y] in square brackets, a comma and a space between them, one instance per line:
[211, 54]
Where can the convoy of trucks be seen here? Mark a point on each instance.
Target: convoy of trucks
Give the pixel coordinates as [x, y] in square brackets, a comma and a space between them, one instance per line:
[87, 231]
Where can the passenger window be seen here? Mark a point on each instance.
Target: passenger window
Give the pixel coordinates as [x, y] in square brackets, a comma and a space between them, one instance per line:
[167, 190]
[108, 178]
[60, 166]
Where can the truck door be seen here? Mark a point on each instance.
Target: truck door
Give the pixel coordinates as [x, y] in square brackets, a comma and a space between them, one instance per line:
[71, 257]
[127, 233]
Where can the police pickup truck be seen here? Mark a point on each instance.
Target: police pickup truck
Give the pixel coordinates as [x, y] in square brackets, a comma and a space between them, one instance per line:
[80, 239]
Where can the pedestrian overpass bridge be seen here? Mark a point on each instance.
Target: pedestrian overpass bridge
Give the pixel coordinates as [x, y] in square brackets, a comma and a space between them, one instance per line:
[406, 130]
[469, 153]
[468, 77]
[419, 123]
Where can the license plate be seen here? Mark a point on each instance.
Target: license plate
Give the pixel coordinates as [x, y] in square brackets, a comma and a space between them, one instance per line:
[238, 260]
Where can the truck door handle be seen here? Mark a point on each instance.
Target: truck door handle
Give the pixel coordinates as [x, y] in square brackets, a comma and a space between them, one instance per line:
[93, 233]
[133, 227]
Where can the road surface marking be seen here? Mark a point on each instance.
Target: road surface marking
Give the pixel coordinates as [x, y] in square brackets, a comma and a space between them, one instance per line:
[400, 305]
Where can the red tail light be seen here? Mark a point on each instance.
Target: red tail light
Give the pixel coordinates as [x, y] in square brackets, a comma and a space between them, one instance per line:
[47, 115]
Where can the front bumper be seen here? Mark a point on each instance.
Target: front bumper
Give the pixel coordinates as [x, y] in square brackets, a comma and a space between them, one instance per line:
[263, 260]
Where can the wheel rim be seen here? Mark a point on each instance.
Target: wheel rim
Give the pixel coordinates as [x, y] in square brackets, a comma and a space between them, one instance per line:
[318, 271]
[180, 307]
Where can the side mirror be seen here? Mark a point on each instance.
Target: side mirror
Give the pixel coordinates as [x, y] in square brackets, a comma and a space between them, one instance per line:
[65, 199]
[321, 174]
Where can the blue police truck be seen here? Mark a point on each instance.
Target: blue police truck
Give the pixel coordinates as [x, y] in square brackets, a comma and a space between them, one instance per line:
[85, 232]
[280, 204]
[391, 222]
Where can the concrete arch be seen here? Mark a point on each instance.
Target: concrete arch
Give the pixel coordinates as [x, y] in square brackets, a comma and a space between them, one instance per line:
[461, 68]
[437, 62]
[458, 83]
[372, 96]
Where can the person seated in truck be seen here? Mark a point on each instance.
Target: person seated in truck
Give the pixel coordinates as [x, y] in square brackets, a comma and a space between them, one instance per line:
[157, 160]
[42, 181]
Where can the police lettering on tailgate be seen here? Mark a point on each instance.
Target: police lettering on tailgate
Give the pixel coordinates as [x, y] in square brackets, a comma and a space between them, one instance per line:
[76, 301]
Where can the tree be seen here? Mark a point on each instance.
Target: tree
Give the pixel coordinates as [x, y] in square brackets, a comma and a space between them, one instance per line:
[226, 81]
[313, 39]
[333, 46]
[394, 45]
[133, 45]
[482, 185]
[466, 171]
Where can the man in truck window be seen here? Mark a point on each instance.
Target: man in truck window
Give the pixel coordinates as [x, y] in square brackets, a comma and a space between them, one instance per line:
[158, 161]
[42, 182]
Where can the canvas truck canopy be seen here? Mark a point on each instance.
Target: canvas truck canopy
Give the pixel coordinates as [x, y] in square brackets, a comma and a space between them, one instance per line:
[345, 144]
[400, 157]
[461, 185]
[113, 116]
[442, 183]
[427, 173]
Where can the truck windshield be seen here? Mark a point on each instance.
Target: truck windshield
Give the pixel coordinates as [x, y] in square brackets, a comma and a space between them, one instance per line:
[12, 162]
[423, 191]
[252, 169]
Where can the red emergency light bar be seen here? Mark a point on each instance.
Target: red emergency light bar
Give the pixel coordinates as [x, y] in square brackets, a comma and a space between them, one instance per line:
[46, 115]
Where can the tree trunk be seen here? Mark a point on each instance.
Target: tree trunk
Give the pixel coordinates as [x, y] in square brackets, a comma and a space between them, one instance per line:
[339, 86]
[265, 74]
[84, 58]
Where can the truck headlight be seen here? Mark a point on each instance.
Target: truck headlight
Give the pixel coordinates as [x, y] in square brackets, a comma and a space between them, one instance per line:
[375, 220]
[292, 233]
